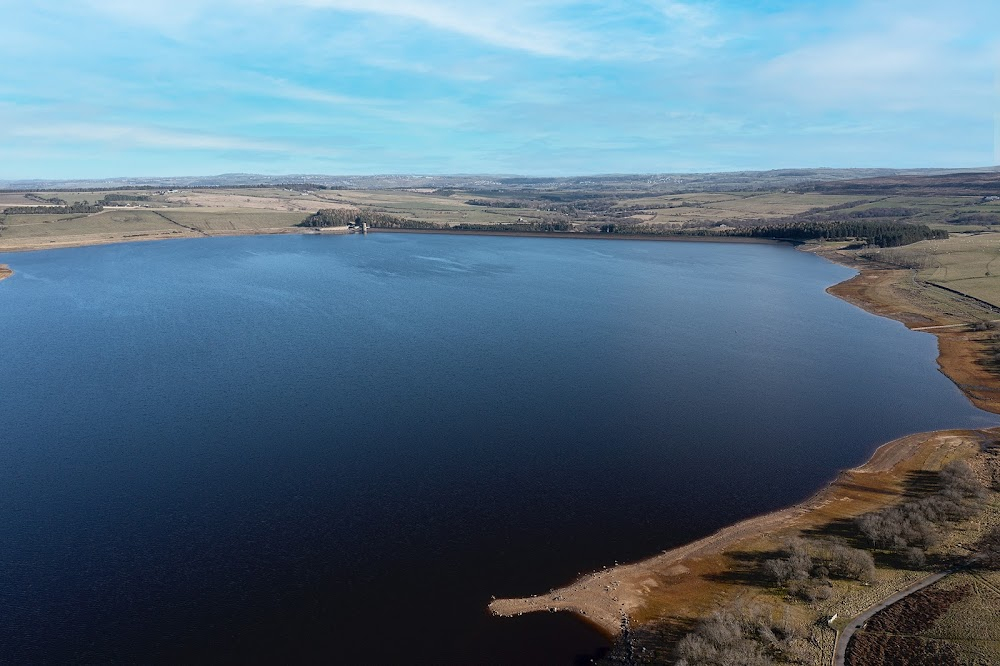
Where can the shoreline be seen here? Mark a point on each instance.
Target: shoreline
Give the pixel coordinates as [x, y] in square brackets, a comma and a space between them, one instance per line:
[895, 294]
[33, 245]
[578, 235]
[603, 598]
[608, 598]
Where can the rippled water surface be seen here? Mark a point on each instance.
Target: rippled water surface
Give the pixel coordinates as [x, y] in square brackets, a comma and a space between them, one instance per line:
[336, 449]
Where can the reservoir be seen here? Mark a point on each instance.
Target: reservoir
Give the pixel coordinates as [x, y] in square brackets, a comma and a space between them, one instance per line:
[335, 449]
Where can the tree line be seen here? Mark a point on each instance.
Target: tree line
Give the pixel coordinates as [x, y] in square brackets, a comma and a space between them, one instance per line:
[77, 207]
[46, 200]
[878, 233]
[544, 225]
[494, 203]
[113, 198]
[349, 217]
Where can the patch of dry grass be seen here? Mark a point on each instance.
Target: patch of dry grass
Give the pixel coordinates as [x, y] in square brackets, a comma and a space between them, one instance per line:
[24, 227]
[232, 219]
[967, 263]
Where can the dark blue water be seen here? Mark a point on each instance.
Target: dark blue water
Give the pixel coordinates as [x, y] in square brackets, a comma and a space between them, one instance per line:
[335, 449]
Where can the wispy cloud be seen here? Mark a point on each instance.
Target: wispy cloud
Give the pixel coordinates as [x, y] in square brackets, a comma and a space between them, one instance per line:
[269, 86]
[138, 136]
[570, 29]
[882, 59]
[167, 16]
[506, 25]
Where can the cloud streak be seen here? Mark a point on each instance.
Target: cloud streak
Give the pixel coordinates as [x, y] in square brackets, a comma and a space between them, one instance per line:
[890, 61]
[138, 136]
[554, 28]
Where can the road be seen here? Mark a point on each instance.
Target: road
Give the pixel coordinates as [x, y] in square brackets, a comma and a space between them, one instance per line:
[859, 621]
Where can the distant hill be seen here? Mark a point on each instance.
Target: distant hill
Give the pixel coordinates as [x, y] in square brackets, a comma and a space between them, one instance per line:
[804, 179]
[944, 184]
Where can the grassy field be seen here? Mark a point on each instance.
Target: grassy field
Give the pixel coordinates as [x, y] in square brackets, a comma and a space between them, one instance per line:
[968, 263]
[955, 622]
[449, 209]
[22, 227]
[972, 624]
[15, 199]
[19, 232]
[671, 210]
[450, 206]
[231, 219]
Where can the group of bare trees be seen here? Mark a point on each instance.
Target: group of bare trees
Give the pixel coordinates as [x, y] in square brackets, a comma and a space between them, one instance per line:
[806, 567]
[988, 549]
[344, 217]
[76, 207]
[111, 199]
[911, 527]
[752, 636]
[545, 224]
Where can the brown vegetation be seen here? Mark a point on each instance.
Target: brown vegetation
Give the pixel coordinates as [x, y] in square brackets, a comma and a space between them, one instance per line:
[890, 637]
[749, 636]
[869, 649]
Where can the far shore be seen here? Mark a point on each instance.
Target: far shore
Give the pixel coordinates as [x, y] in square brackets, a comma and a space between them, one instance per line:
[573, 234]
[34, 244]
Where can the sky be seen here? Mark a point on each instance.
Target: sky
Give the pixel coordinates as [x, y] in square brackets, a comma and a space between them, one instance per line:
[107, 88]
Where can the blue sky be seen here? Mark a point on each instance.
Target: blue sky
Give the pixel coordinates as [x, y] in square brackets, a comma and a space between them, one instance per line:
[103, 88]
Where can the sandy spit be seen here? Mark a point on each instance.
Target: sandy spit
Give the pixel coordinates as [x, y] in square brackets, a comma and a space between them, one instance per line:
[675, 579]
